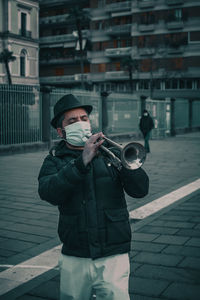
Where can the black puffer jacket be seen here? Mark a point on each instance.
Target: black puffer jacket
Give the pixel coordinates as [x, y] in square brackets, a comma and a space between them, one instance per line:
[94, 220]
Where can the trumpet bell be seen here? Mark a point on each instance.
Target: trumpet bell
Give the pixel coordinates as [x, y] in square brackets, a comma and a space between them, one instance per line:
[133, 156]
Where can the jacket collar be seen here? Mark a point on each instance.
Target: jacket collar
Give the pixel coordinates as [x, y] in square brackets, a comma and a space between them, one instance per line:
[61, 149]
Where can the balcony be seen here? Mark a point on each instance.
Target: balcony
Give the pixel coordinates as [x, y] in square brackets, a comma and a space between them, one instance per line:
[116, 75]
[146, 27]
[63, 79]
[118, 52]
[79, 77]
[54, 19]
[146, 3]
[174, 2]
[146, 51]
[119, 29]
[57, 79]
[175, 49]
[63, 38]
[25, 33]
[56, 61]
[177, 24]
[120, 6]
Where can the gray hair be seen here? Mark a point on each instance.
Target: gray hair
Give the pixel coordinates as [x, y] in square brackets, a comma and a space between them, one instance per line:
[60, 120]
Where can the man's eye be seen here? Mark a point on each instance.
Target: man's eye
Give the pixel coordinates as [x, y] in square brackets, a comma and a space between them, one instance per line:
[72, 121]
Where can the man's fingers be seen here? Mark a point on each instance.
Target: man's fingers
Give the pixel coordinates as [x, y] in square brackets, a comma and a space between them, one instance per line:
[93, 139]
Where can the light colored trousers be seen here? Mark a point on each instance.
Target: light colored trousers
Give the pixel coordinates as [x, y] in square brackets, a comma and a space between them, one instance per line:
[106, 277]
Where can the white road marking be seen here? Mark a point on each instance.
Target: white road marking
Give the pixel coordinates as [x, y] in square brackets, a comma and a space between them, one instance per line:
[19, 274]
[28, 270]
[162, 202]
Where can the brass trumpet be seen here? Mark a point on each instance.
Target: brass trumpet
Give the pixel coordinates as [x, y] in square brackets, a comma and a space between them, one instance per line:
[133, 155]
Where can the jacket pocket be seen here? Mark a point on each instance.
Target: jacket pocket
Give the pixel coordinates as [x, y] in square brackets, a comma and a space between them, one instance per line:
[67, 230]
[118, 229]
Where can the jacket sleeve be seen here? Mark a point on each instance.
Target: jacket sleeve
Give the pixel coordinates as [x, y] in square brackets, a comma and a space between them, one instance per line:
[135, 182]
[56, 186]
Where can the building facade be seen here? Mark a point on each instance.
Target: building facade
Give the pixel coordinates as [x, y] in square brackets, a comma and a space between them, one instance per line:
[149, 47]
[19, 33]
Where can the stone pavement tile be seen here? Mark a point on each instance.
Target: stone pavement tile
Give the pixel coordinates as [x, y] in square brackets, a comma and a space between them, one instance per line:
[144, 246]
[171, 239]
[172, 274]
[150, 287]
[196, 219]
[6, 253]
[48, 232]
[42, 223]
[158, 229]
[182, 250]
[39, 222]
[47, 290]
[174, 224]
[15, 259]
[159, 259]
[23, 236]
[43, 247]
[133, 267]
[144, 237]
[193, 242]
[29, 297]
[191, 214]
[191, 263]
[32, 238]
[5, 224]
[29, 214]
[9, 233]
[189, 232]
[5, 211]
[178, 291]
[176, 218]
[140, 297]
[133, 254]
[16, 245]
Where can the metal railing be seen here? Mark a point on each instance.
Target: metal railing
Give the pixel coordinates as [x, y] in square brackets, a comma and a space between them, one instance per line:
[19, 114]
[25, 113]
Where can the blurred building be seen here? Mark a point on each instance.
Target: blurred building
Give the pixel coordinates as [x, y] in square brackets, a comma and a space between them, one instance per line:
[150, 47]
[19, 27]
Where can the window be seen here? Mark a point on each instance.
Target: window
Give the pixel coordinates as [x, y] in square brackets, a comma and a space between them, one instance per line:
[189, 84]
[23, 24]
[23, 63]
[59, 71]
[174, 83]
[178, 14]
[102, 67]
[167, 84]
[182, 84]
[195, 36]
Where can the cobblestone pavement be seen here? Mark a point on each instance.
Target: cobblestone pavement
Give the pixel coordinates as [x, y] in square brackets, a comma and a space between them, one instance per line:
[165, 253]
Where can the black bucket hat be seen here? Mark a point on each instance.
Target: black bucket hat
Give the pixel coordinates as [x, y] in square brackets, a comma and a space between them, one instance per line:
[66, 103]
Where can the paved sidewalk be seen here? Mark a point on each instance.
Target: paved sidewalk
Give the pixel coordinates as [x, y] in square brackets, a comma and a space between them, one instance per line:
[165, 252]
[165, 259]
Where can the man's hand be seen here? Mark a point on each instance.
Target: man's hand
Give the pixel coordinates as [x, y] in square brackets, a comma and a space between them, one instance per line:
[91, 147]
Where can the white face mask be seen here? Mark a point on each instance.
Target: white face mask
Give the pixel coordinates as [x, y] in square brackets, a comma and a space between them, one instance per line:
[78, 133]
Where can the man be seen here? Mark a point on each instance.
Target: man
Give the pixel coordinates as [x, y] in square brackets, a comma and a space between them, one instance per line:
[89, 192]
[146, 125]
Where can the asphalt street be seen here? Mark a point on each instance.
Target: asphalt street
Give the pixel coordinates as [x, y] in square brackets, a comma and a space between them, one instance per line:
[165, 256]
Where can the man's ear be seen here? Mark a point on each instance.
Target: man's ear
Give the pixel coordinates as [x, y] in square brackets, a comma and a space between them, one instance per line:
[60, 132]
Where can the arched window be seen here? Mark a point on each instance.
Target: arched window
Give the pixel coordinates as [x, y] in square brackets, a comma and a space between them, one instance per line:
[23, 63]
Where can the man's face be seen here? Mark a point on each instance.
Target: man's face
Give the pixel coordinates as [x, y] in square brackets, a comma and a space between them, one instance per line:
[73, 116]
